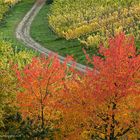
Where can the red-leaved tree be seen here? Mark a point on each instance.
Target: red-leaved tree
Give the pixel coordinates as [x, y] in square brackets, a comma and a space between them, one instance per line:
[41, 81]
[101, 103]
[117, 80]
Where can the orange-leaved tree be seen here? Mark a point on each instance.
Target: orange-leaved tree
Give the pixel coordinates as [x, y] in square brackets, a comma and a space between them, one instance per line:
[115, 79]
[41, 81]
[101, 103]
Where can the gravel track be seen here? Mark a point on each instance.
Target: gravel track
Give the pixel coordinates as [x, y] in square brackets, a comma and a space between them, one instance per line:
[23, 34]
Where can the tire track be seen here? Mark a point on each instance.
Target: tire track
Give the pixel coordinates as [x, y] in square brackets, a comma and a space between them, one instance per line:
[23, 34]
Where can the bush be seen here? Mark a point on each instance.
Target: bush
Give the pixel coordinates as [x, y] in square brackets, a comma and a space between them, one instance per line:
[49, 1]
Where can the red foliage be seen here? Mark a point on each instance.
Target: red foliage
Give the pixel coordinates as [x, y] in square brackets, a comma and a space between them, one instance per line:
[118, 69]
[99, 101]
[41, 80]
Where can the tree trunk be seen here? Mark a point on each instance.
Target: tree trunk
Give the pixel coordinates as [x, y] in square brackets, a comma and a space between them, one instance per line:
[111, 136]
[42, 116]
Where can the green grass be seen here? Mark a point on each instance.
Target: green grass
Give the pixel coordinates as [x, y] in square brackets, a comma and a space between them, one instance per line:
[14, 16]
[41, 32]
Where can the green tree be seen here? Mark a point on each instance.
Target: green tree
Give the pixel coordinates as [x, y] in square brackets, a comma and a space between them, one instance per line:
[9, 120]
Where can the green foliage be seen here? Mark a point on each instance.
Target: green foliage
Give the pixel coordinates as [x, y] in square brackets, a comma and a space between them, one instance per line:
[8, 81]
[7, 93]
[11, 122]
[9, 55]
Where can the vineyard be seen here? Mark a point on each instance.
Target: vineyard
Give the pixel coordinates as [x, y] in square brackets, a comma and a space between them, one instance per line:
[45, 97]
[94, 21]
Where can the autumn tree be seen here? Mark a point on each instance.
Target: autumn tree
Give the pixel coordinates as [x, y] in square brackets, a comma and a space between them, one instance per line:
[41, 81]
[117, 79]
[101, 103]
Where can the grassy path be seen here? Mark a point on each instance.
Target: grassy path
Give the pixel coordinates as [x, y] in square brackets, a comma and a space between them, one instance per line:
[23, 34]
[41, 33]
[7, 29]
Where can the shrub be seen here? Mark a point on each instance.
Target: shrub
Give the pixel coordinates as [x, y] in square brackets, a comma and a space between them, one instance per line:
[49, 1]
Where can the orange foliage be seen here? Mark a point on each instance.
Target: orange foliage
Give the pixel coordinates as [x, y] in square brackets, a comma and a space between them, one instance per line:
[40, 81]
[103, 103]
[100, 102]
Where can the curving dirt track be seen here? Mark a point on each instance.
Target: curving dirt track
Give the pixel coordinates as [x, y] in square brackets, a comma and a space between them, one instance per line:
[23, 34]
